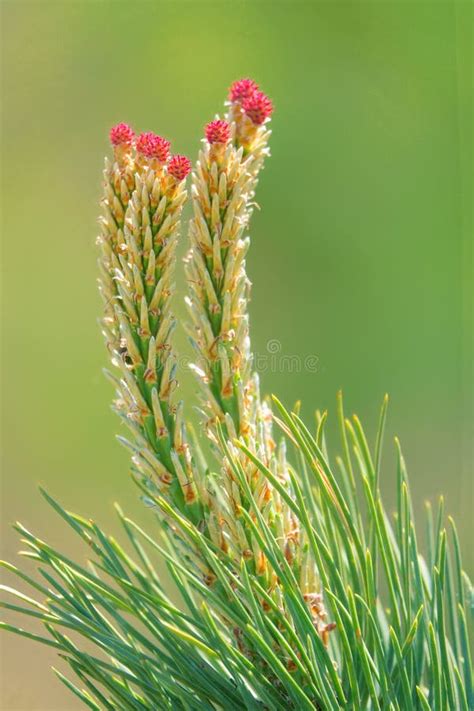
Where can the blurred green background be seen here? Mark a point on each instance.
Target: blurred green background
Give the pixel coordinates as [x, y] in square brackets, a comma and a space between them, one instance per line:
[361, 254]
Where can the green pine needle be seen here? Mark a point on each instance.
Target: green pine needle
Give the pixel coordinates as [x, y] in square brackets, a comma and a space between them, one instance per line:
[401, 637]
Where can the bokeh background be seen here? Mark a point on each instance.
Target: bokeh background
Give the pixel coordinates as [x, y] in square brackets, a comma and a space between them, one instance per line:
[361, 253]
